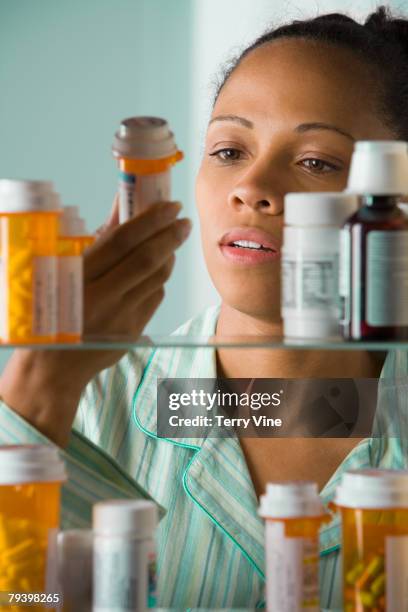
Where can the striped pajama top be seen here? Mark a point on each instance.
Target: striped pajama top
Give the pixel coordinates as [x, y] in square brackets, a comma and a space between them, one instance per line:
[210, 540]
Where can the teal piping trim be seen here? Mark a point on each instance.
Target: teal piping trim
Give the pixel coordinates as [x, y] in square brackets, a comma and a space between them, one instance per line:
[330, 550]
[190, 495]
[187, 490]
[136, 418]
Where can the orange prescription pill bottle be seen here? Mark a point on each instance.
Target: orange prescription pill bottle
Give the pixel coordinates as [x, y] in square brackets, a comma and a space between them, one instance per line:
[30, 483]
[294, 513]
[146, 151]
[374, 512]
[72, 242]
[29, 213]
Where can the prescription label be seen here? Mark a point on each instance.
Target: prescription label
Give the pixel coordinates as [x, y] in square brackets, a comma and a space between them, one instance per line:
[44, 296]
[152, 577]
[70, 295]
[345, 275]
[51, 573]
[121, 573]
[288, 272]
[310, 283]
[387, 278]
[136, 192]
[127, 196]
[154, 188]
[292, 571]
[396, 570]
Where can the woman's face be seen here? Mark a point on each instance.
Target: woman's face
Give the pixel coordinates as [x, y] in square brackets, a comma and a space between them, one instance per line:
[286, 120]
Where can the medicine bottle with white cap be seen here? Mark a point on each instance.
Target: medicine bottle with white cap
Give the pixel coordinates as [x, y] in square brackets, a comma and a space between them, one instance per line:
[146, 151]
[29, 212]
[31, 477]
[124, 562]
[294, 514]
[373, 505]
[73, 239]
[374, 245]
[74, 565]
[310, 262]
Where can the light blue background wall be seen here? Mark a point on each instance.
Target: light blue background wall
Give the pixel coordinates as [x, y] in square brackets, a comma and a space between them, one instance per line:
[70, 70]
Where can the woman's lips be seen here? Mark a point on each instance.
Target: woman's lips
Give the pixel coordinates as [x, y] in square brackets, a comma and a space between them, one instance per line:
[244, 254]
[248, 256]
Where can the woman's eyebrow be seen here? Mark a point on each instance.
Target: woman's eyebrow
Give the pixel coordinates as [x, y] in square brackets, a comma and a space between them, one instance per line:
[301, 128]
[306, 127]
[245, 122]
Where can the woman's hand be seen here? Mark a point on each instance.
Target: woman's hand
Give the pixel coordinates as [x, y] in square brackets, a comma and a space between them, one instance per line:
[125, 271]
[124, 275]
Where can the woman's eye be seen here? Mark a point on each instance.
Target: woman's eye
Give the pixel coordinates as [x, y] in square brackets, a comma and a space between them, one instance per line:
[227, 154]
[318, 166]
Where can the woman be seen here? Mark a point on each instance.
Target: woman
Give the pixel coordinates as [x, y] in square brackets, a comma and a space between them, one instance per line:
[284, 119]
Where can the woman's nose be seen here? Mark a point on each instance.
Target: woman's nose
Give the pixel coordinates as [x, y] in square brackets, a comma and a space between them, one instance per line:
[258, 190]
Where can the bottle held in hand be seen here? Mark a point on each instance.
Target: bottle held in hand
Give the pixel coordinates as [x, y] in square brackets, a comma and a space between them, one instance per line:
[146, 151]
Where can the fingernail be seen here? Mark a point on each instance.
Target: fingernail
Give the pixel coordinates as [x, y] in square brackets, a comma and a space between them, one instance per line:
[184, 228]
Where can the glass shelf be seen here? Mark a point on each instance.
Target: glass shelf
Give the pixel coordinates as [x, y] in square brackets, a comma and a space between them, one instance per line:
[211, 342]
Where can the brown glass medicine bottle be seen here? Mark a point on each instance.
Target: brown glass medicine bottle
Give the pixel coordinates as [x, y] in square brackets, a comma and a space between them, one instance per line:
[375, 240]
[374, 244]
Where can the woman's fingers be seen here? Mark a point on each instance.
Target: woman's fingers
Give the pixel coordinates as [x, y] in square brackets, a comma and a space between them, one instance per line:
[120, 321]
[126, 268]
[145, 311]
[111, 221]
[113, 245]
[146, 259]
[151, 285]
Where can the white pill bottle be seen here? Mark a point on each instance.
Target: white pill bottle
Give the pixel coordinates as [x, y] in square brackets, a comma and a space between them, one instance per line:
[310, 262]
[75, 563]
[124, 559]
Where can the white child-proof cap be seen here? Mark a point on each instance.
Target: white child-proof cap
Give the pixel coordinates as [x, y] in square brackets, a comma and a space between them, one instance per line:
[144, 138]
[125, 516]
[320, 208]
[18, 196]
[373, 488]
[67, 223]
[379, 167]
[291, 500]
[30, 463]
[70, 223]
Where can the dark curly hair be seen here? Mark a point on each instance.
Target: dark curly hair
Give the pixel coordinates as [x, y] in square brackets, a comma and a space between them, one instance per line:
[381, 43]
